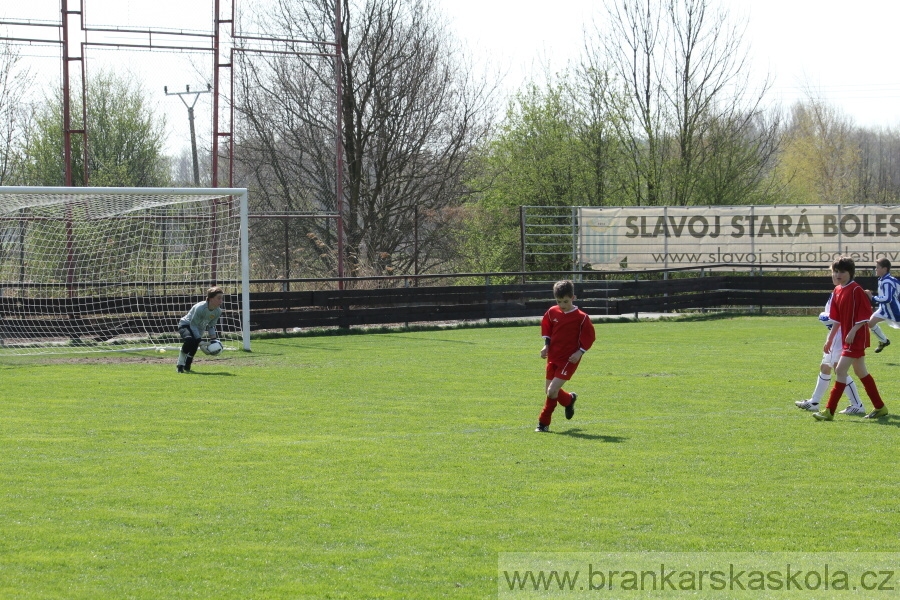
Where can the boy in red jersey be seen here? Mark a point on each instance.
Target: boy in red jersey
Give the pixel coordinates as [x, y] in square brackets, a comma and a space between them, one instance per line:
[850, 307]
[568, 333]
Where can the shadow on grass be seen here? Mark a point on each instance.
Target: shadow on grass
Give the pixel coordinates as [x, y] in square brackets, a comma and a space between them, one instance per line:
[711, 316]
[430, 340]
[892, 420]
[578, 433]
[218, 374]
[399, 328]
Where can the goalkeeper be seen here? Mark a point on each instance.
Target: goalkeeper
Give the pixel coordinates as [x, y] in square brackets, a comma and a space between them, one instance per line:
[202, 317]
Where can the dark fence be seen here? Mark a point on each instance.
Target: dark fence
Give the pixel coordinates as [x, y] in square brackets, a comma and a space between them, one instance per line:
[408, 301]
[345, 308]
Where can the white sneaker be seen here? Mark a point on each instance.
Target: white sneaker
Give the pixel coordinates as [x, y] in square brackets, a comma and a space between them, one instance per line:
[853, 410]
[807, 405]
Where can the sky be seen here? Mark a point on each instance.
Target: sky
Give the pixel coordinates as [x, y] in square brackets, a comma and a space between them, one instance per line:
[845, 52]
[842, 51]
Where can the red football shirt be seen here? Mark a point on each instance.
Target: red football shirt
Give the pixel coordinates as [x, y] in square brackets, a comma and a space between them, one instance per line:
[568, 332]
[849, 306]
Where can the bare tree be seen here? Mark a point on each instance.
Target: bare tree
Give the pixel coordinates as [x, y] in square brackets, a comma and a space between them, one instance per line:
[683, 96]
[598, 130]
[412, 110]
[879, 165]
[630, 52]
[739, 155]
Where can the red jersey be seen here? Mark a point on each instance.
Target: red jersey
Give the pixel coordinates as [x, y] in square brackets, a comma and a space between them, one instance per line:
[849, 306]
[567, 333]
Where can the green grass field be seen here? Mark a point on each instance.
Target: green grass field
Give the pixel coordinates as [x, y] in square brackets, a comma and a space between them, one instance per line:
[400, 465]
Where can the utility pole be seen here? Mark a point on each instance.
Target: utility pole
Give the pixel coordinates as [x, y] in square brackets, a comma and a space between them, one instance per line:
[190, 108]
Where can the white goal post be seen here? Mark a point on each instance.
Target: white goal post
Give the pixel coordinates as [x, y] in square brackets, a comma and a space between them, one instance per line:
[95, 268]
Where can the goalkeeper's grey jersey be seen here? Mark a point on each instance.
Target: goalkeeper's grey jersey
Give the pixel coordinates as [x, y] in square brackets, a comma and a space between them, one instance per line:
[200, 318]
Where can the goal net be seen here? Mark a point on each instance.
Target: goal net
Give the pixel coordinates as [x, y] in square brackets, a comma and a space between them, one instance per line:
[94, 269]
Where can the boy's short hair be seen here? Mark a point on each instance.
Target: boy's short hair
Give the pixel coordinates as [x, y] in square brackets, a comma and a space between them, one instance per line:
[213, 292]
[563, 288]
[884, 263]
[844, 263]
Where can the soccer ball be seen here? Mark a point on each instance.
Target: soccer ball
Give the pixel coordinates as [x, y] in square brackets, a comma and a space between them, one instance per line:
[212, 348]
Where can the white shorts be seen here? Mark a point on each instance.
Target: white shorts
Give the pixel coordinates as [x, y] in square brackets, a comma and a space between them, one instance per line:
[882, 314]
[832, 358]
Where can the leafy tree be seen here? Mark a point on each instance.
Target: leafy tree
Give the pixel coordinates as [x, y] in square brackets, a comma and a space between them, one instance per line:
[554, 148]
[124, 137]
[820, 161]
[14, 115]
[488, 240]
[536, 159]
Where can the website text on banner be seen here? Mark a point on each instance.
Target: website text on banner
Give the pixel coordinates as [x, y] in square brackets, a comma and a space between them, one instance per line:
[653, 237]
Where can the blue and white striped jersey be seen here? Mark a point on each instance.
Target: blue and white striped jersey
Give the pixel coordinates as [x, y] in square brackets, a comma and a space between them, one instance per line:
[888, 297]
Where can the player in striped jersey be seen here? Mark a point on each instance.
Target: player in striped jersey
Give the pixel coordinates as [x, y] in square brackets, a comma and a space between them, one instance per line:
[888, 300]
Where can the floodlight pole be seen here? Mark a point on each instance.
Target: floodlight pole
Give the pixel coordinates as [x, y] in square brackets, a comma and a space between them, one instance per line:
[67, 58]
[190, 109]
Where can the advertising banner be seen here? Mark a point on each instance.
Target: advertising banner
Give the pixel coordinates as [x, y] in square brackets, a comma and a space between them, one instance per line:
[653, 237]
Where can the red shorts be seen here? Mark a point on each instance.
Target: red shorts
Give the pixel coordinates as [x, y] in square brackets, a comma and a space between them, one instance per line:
[858, 348]
[563, 371]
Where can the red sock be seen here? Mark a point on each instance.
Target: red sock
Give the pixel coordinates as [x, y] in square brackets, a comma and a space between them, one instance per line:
[564, 398]
[835, 396]
[547, 414]
[872, 391]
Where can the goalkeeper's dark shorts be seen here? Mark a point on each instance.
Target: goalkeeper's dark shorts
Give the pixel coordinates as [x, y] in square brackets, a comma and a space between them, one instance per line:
[191, 343]
[186, 334]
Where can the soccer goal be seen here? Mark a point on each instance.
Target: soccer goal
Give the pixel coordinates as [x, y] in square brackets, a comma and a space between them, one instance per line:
[92, 269]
